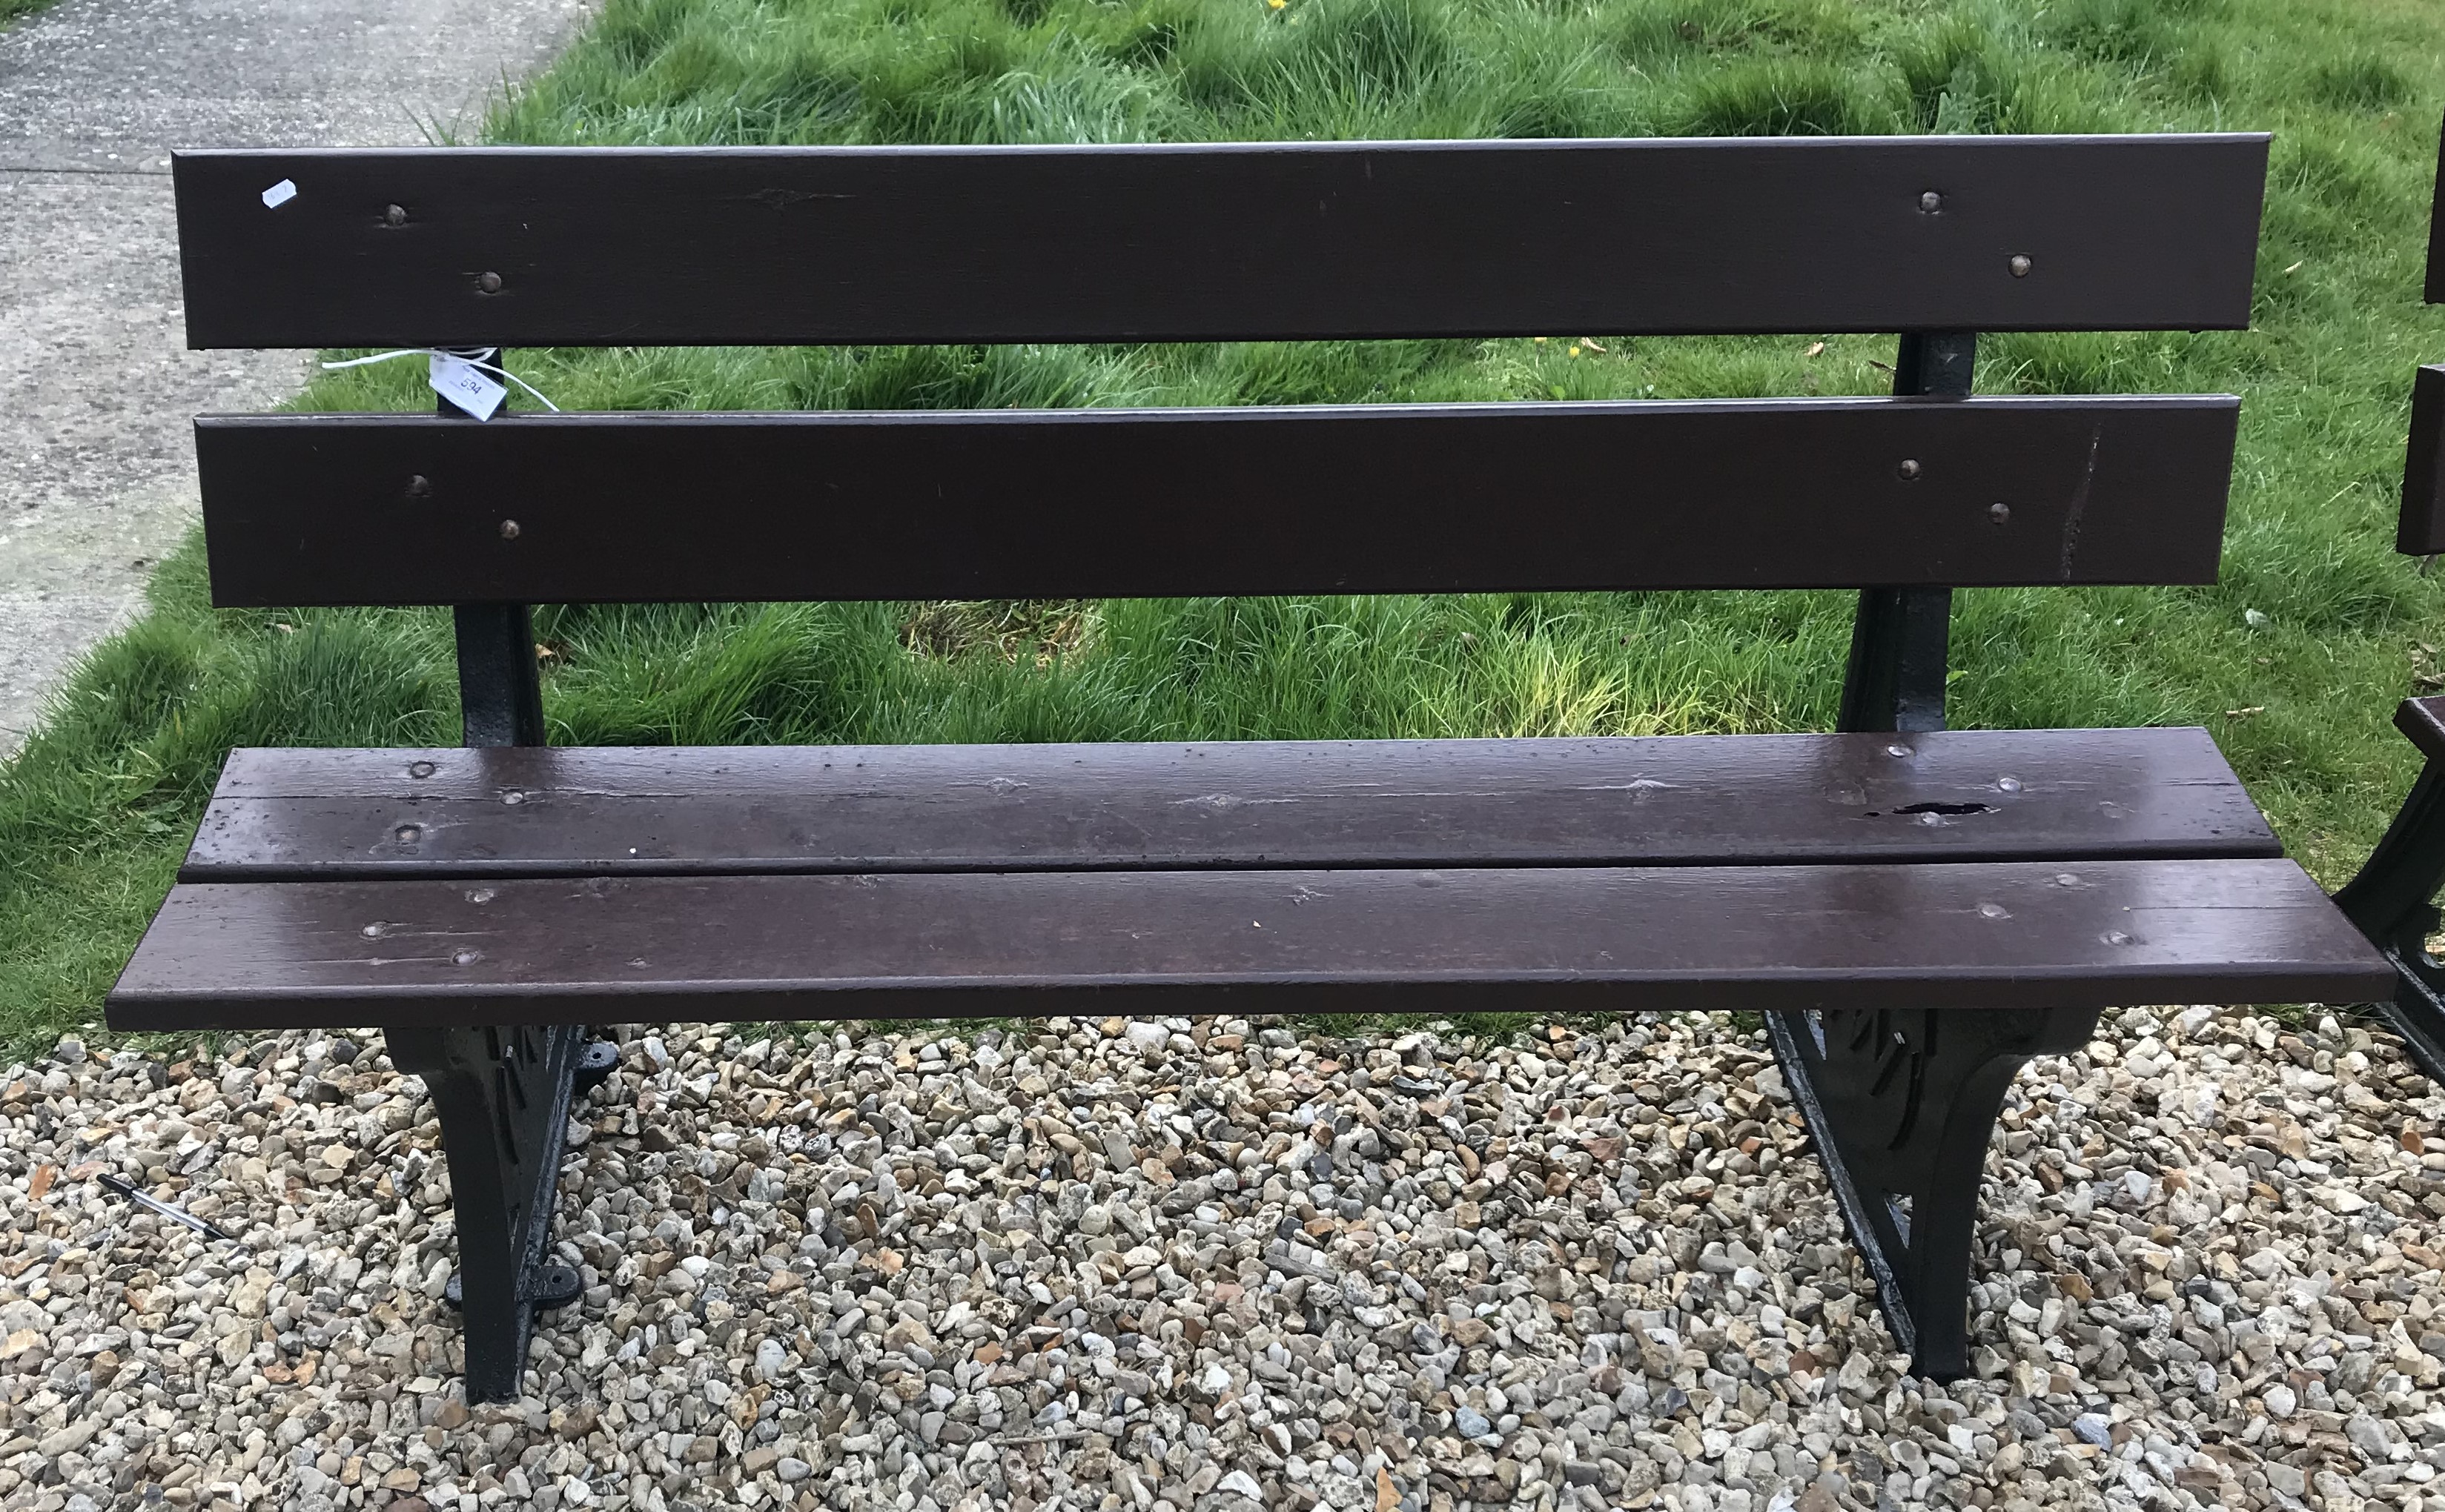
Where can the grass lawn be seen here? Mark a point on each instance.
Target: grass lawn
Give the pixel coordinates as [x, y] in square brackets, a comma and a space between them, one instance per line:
[95, 811]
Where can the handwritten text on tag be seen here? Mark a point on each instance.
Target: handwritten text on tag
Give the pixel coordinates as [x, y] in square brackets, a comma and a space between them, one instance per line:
[466, 386]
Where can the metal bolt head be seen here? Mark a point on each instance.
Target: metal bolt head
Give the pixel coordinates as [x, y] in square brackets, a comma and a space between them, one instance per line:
[1931, 202]
[394, 214]
[420, 486]
[409, 835]
[419, 769]
[1897, 750]
[491, 283]
[2000, 513]
[2020, 266]
[508, 530]
[1909, 468]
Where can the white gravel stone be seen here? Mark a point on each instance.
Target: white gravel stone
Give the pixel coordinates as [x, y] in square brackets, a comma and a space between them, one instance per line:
[1077, 1266]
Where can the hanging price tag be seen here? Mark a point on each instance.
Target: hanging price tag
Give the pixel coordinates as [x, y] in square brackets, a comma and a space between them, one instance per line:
[466, 386]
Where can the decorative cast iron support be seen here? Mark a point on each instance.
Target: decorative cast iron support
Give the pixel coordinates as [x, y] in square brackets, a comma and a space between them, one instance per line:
[503, 1096]
[503, 1093]
[1900, 1103]
[1901, 638]
[2392, 900]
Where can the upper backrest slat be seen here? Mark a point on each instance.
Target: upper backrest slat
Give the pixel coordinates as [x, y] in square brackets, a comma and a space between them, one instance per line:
[525, 247]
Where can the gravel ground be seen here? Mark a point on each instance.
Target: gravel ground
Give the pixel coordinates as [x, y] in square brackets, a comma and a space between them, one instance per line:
[1211, 1267]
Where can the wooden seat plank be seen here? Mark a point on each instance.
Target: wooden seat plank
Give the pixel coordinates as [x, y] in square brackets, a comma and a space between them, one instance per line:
[1216, 241]
[1422, 498]
[1657, 800]
[1978, 935]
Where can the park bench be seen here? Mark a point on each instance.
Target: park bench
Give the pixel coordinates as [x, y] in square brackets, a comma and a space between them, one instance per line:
[1915, 910]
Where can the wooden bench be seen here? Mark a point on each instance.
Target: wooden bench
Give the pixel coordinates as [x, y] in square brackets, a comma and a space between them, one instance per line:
[1916, 911]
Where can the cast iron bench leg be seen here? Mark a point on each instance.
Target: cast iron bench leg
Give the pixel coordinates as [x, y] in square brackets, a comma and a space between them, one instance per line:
[1900, 1103]
[503, 1095]
[2390, 900]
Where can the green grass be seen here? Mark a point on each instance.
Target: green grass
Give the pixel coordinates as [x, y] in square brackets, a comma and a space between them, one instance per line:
[94, 814]
[12, 10]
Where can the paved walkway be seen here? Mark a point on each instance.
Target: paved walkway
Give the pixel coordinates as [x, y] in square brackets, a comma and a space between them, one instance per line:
[96, 472]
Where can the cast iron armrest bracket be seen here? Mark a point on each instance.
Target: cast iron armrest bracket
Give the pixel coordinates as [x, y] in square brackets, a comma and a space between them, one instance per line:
[2393, 898]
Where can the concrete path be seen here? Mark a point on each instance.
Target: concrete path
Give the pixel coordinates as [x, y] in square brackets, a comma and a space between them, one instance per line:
[97, 470]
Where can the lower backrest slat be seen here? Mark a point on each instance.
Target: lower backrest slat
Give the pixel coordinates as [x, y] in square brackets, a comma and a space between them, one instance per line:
[406, 509]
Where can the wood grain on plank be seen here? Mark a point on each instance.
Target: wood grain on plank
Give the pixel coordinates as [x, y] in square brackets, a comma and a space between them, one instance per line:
[245, 955]
[1986, 794]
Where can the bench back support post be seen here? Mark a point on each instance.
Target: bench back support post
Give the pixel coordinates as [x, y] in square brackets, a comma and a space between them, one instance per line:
[1901, 638]
[500, 699]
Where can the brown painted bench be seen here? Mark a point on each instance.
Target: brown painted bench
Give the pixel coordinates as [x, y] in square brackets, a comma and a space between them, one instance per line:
[1916, 910]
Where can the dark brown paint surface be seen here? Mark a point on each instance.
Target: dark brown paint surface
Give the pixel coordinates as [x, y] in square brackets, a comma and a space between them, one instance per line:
[1953, 796]
[1840, 492]
[1974, 935]
[1230, 241]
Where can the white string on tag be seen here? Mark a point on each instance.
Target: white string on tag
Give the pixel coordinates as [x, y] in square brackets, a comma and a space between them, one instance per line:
[451, 369]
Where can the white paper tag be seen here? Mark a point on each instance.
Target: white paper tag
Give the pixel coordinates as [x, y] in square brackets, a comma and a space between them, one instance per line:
[280, 193]
[466, 386]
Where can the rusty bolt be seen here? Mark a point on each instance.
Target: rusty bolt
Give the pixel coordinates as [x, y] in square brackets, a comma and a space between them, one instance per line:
[2000, 513]
[508, 530]
[1931, 202]
[394, 214]
[491, 283]
[1909, 468]
[2020, 266]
